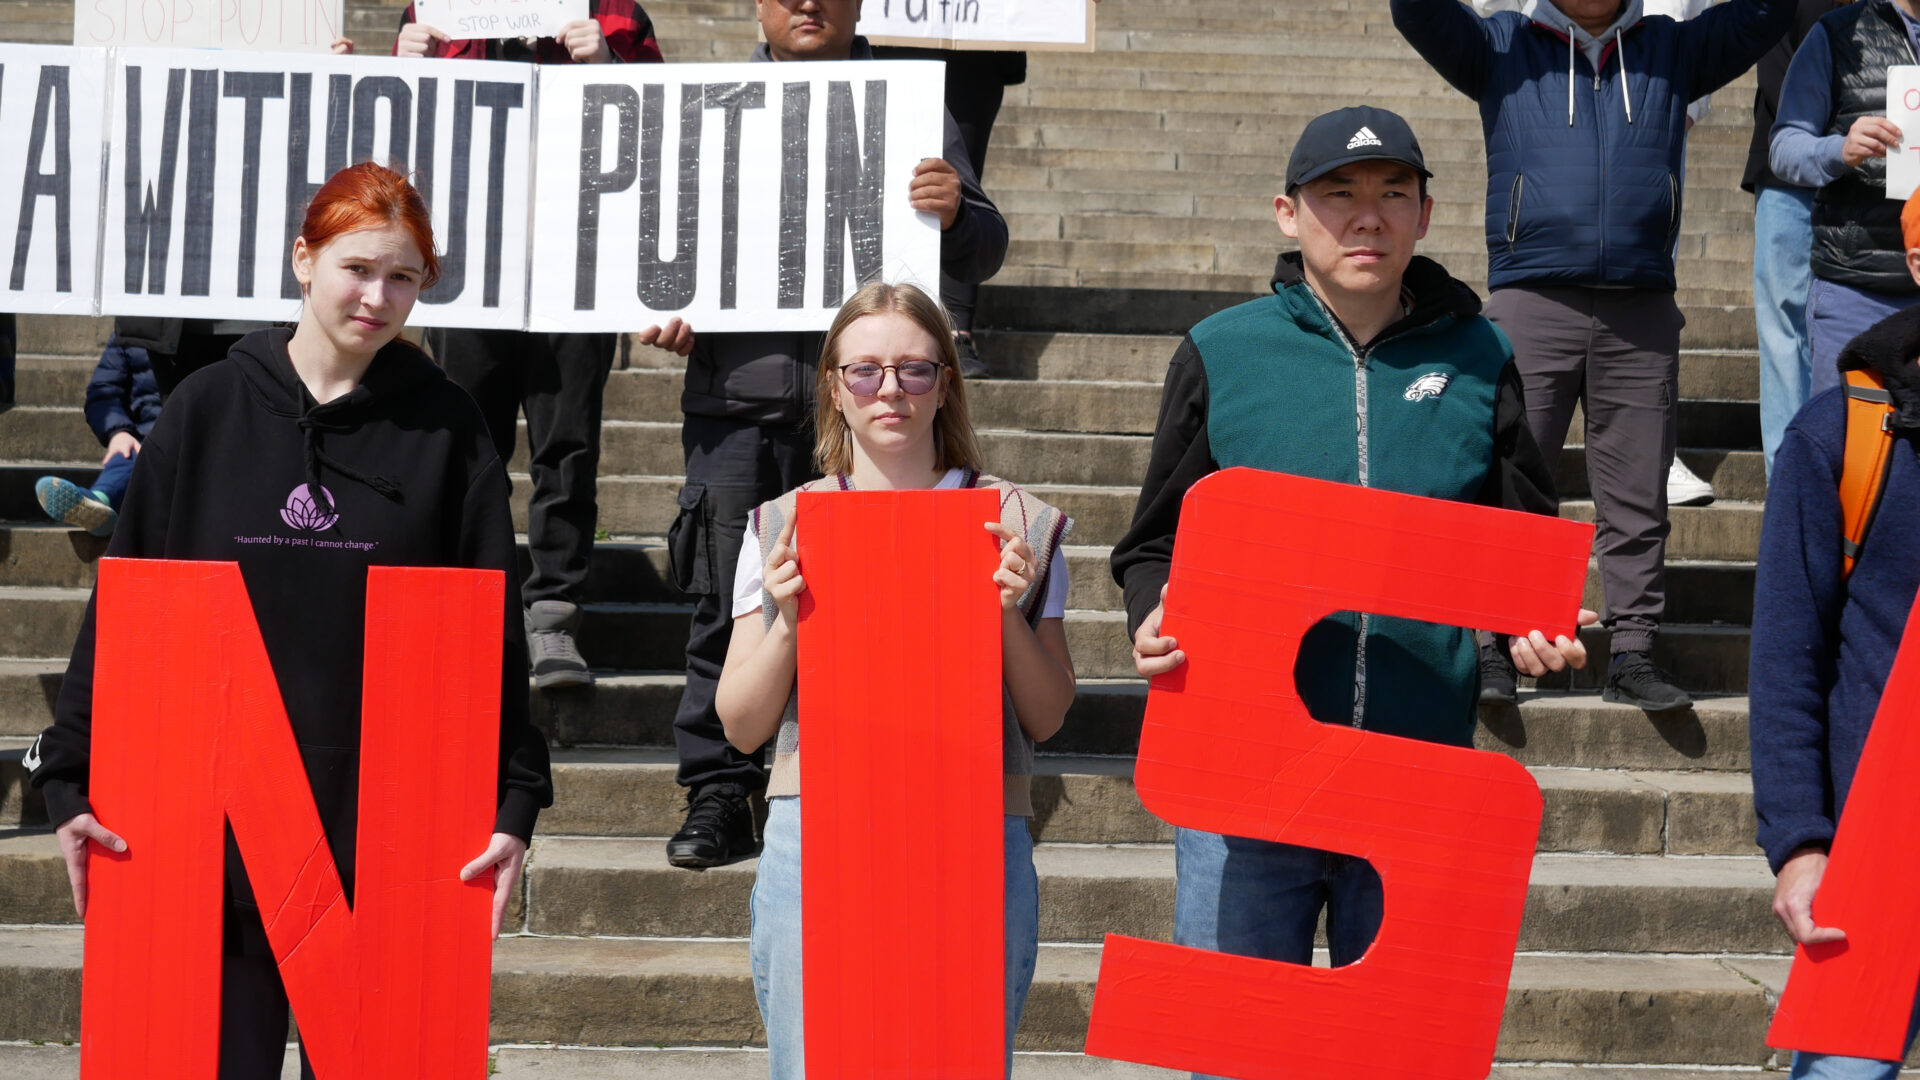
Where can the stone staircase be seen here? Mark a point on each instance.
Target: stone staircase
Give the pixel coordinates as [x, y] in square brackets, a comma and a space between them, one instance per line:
[1138, 183]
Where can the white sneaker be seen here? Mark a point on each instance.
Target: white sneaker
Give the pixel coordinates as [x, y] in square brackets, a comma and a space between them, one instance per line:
[1686, 489]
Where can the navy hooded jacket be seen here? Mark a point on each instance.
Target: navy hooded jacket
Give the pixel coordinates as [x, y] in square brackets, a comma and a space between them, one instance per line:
[1583, 160]
[1823, 644]
[123, 394]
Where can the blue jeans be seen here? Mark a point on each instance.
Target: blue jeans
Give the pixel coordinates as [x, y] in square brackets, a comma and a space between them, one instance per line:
[1810, 1066]
[1257, 898]
[1836, 314]
[1782, 239]
[113, 478]
[776, 948]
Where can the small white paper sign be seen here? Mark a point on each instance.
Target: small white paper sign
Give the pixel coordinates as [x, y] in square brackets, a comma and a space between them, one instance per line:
[1057, 25]
[251, 25]
[1903, 108]
[466, 19]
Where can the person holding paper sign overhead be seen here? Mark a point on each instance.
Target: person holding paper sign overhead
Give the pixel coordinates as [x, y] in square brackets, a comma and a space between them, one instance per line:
[748, 399]
[557, 379]
[1832, 134]
[891, 415]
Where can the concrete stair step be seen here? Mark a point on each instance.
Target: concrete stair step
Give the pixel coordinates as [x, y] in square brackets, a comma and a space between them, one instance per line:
[1726, 530]
[612, 992]
[1060, 301]
[1739, 475]
[624, 887]
[25, 1062]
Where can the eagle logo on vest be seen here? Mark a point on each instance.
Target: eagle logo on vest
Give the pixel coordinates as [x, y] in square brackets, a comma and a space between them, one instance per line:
[1430, 385]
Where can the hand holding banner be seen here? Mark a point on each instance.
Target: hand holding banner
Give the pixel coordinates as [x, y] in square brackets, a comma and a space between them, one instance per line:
[1228, 747]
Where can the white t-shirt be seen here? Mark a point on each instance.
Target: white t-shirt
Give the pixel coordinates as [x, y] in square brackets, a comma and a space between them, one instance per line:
[749, 576]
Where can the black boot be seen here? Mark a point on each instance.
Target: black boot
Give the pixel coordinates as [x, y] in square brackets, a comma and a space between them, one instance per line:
[972, 367]
[1632, 679]
[718, 829]
[1499, 683]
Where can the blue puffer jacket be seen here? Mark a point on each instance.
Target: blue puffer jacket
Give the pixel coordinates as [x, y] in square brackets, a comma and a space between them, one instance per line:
[123, 394]
[1583, 169]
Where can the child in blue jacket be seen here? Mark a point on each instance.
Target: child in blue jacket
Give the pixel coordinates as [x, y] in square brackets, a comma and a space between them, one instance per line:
[123, 401]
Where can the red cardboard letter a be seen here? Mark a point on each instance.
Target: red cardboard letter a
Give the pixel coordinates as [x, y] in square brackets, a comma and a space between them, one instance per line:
[190, 735]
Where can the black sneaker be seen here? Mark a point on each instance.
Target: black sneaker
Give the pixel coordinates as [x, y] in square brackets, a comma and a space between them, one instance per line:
[1632, 679]
[719, 827]
[551, 652]
[1499, 683]
[971, 366]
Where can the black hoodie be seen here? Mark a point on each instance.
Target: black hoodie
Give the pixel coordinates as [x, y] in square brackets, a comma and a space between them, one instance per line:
[405, 461]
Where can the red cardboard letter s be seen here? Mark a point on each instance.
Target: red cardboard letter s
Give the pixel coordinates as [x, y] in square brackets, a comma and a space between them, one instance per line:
[1261, 557]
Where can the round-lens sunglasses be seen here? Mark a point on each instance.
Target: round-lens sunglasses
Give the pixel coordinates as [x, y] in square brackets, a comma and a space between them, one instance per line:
[865, 378]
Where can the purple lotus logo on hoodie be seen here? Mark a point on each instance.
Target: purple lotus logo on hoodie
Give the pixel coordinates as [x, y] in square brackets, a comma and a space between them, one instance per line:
[303, 510]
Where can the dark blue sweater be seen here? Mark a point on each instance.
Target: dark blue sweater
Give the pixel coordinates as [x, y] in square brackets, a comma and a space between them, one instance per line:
[1823, 645]
[123, 394]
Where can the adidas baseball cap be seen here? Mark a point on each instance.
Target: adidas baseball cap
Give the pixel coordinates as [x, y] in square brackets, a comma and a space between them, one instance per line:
[1344, 136]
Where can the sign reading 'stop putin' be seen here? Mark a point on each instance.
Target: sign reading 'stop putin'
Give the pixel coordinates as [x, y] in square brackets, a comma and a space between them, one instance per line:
[735, 196]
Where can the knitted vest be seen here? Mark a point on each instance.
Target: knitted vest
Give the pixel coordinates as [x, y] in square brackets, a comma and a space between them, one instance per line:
[1044, 529]
[1856, 228]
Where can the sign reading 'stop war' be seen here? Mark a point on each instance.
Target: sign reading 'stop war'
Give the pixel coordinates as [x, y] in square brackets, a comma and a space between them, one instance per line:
[467, 19]
[255, 25]
[735, 196]
[1044, 25]
[51, 102]
[212, 158]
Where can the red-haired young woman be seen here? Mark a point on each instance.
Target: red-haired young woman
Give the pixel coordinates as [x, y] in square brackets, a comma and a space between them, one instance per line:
[307, 457]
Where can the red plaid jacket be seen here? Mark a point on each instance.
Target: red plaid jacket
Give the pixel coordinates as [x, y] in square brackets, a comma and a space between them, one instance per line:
[628, 31]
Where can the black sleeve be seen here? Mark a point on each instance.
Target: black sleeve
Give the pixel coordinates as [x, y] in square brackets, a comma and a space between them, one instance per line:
[1519, 478]
[486, 542]
[64, 751]
[974, 246]
[1179, 459]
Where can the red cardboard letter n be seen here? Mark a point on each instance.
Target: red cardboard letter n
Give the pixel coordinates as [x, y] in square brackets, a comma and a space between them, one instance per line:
[190, 734]
[1229, 748]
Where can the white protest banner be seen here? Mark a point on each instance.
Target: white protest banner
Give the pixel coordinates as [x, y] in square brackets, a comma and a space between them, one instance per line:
[52, 100]
[214, 156]
[1903, 108]
[468, 19]
[254, 25]
[735, 196]
[1041, 25]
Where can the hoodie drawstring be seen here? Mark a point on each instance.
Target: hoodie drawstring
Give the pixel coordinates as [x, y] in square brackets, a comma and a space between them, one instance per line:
[1570, 48]
[1620, 49]
[312, 426]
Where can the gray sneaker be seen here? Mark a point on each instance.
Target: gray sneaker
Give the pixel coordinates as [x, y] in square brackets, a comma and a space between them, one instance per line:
[551, 653]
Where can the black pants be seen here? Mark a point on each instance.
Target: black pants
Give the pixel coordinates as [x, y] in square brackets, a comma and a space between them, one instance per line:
[253, 1003]
[732, 467]
[559, 380]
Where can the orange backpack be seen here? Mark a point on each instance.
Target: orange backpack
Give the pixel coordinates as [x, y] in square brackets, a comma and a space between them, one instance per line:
[1868, 460]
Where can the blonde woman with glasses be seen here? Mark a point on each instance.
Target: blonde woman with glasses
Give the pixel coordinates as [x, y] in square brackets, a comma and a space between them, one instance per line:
[891, 414]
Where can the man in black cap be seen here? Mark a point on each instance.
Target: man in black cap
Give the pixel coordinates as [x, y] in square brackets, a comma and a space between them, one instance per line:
[1368, 365]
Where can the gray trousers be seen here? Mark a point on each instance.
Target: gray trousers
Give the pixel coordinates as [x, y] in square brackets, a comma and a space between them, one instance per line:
[1615, 352]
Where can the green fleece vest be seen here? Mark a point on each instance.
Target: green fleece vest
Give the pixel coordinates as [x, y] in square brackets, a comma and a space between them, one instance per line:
[1288, 393]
